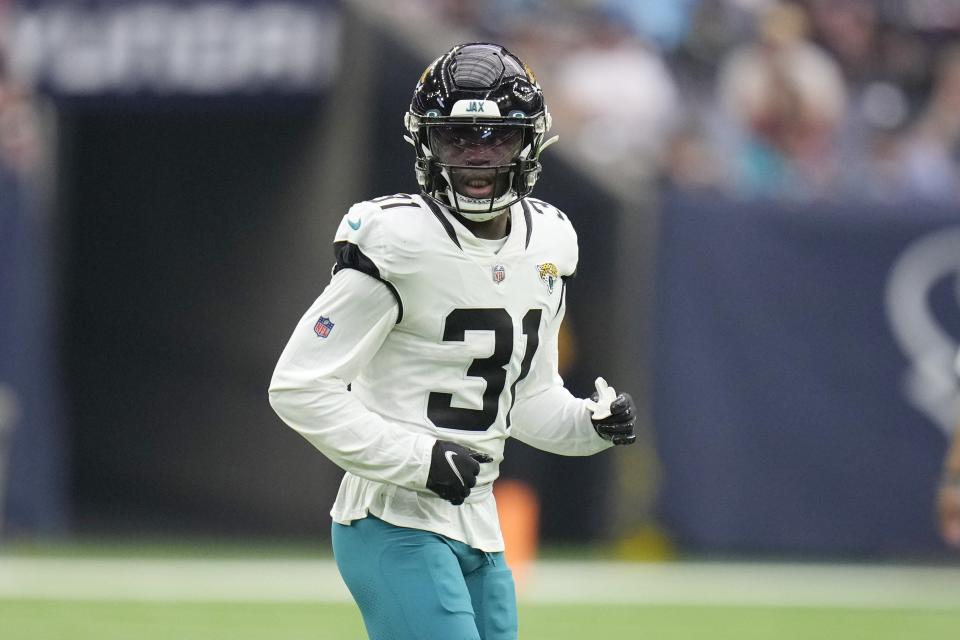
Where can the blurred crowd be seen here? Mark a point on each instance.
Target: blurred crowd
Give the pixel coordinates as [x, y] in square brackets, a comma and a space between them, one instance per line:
[799, 100]
[802, 100]
[20, 146]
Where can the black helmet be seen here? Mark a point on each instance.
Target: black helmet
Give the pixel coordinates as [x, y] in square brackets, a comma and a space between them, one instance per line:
[478, 122]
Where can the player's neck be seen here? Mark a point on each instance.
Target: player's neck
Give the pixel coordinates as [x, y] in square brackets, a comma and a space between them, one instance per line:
[492, 229]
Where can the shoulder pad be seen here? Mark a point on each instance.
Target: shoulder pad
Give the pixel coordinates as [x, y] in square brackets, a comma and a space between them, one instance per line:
[546, 208]
[554, 227]
[375, 232]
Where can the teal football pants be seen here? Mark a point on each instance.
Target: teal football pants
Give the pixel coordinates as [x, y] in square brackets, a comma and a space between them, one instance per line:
[418, 585]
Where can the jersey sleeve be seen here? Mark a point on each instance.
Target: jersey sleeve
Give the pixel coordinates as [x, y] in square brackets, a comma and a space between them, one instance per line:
[330, 345]
[554, 228]
[546, 416]
[570, 248]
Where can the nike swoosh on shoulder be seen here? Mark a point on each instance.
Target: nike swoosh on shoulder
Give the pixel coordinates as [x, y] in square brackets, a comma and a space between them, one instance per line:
[354, 225]
[449, 456]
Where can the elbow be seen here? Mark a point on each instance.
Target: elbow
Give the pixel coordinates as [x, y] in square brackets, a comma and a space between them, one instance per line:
[277, 402]
[275, 397]
[279, 396]
[292, 398]
[286, 405]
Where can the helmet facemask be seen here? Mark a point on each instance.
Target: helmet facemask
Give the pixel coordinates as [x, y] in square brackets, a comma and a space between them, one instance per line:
[479, 168]
[479, 164]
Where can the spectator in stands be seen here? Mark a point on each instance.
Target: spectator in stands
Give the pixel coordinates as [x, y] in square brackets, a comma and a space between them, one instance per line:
[617, 96]
[782, 100]
[933, 147]
[848, 30]
[19, 130]
[664, 22]
[690, 163]
[867, 47]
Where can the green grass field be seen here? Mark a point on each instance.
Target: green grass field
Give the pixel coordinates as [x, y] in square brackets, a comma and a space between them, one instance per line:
[231, 594]
[52, 620]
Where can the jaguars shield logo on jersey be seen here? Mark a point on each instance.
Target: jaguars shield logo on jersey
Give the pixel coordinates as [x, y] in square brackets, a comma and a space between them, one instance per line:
[499, 273]
[548, 274]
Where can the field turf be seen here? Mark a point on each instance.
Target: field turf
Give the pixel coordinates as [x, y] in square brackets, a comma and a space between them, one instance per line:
[209, 593]
[113, 620]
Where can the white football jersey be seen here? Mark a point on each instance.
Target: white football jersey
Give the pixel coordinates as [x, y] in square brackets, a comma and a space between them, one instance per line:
[441, 335]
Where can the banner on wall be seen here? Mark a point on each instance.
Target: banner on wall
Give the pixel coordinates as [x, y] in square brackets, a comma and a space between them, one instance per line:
[137, 49]
[804, 374]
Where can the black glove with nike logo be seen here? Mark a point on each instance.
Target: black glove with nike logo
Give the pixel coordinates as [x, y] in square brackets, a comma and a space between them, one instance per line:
[454, 470]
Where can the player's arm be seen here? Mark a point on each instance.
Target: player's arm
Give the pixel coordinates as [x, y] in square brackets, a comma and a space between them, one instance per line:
[548, 417]
[309, 386]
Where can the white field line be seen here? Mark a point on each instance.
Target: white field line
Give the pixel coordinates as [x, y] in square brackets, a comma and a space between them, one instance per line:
[722, 584]
[748, 584]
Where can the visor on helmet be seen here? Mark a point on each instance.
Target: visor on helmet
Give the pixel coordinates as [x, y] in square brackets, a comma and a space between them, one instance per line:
[471, 145]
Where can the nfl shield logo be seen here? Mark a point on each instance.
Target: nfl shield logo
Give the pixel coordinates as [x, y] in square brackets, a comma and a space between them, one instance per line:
[499, 273]
[323, 327]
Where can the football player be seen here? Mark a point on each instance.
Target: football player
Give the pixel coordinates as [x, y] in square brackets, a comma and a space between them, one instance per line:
[435, 341]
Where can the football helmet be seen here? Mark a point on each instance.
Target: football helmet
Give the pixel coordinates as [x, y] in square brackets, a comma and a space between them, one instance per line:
[478, 122]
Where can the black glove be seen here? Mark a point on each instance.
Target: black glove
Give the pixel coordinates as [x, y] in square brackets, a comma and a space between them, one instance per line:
[618, 426]
[454, 470]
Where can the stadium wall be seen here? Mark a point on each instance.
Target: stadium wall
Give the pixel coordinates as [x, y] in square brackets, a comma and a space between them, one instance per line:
[804, 382]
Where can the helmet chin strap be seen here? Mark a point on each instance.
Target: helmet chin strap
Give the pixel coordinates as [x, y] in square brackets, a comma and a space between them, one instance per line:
[474, 209]
[479, 215]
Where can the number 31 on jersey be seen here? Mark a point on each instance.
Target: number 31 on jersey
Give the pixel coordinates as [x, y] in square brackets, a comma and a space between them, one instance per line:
[492, 369]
